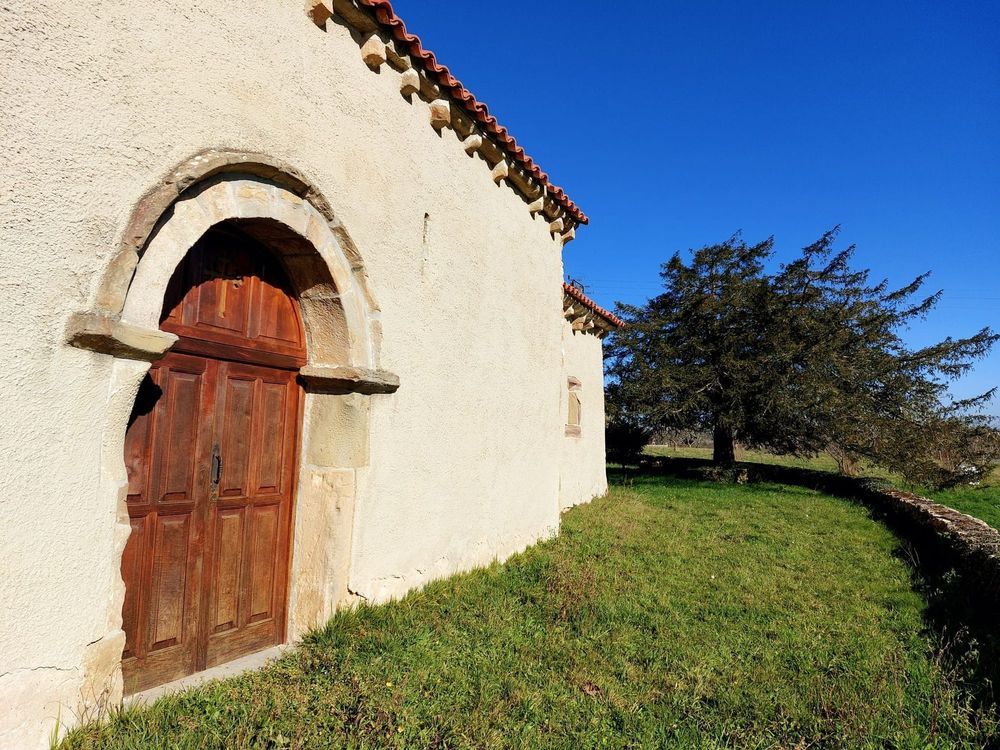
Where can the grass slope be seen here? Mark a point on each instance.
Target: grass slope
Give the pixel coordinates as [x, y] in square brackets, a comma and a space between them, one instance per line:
[981, 501]
[671, 614]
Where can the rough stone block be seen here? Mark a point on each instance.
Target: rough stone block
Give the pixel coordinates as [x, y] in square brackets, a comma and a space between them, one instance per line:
[473, 143]
[107, 335]
[501, 172]
[348, 380]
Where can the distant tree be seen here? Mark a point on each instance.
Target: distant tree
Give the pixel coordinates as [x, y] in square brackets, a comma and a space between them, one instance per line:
[800, 360]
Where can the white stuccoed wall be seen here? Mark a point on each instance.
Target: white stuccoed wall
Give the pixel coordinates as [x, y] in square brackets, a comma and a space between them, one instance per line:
[101, 100]
[583, 470]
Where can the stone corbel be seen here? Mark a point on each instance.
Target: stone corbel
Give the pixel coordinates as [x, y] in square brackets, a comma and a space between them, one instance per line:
[472, 144]
[441, 114]
[409, 82]
[324, 379]
[373, 52]
[320, 11]
[501, 171]
[108, 335]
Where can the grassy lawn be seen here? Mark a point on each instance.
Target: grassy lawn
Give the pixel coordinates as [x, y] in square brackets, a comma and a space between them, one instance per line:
[982, 501]
[671, 614]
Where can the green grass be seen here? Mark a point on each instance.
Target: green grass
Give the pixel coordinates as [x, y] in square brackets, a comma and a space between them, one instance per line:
[671, 614]
[982, 501]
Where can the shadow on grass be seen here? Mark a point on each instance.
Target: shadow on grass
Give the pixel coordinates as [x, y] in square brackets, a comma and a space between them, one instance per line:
[963, 601]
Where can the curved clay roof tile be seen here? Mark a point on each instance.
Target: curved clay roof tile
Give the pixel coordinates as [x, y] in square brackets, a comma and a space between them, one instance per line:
[387, 17]
[587, 302]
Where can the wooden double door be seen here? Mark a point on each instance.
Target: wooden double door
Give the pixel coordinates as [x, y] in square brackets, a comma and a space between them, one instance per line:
[211, 458]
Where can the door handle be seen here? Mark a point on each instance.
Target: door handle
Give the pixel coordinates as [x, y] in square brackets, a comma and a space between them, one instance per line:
[216, 466]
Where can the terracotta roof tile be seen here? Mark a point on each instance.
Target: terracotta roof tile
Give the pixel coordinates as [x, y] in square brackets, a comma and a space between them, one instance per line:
[587, 302]
[387, 17]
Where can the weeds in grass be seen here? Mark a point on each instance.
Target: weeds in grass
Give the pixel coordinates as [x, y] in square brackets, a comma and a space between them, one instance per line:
[955, 707]
[570, 585]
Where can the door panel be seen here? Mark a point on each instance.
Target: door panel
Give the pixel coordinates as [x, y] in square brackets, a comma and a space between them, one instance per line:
[226, 595]
[252, 515]
[177, 471]
[210, 455]
[237, 400]
[264, 545]
[172, 545]
[166, 448]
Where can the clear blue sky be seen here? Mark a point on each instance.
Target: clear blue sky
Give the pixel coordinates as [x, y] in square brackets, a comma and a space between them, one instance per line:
[675, 124]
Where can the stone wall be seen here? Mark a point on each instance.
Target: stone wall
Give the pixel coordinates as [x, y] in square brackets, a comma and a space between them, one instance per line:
[965, 543]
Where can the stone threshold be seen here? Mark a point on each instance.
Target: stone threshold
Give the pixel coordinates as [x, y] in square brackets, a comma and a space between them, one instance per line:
[249, 663]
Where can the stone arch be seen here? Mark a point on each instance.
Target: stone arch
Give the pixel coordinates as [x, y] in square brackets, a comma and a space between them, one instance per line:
[337, 308]
[201, 167]
[277, 206]
[272, 201]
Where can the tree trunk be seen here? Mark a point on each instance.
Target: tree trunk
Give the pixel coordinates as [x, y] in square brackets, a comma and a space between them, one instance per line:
[723, 446]
[846, 463]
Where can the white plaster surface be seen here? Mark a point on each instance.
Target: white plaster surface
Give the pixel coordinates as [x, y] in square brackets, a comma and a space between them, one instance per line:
[583, 474]
[460, 466]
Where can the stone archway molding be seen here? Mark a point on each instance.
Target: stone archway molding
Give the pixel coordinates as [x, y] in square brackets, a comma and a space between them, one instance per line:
[216, 186]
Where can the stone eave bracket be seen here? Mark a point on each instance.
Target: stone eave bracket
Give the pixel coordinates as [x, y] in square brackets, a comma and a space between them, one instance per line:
[106, 334]
[585, 320]
[324, 379]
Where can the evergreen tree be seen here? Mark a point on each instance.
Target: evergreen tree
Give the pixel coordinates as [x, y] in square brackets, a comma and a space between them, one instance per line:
[800, 360]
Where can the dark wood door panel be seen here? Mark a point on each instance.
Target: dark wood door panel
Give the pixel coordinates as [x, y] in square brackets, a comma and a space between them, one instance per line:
[226, 583]
[229, 291]
[274, 317]
[270, 475]
[265, 564]
[177, 465]
[256, 423]
[236, 403]
[166, 448]
[206, 565]
[170, 590]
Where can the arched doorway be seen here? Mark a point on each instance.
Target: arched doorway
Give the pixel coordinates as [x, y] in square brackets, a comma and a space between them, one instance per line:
[273, 204]
[211, 457]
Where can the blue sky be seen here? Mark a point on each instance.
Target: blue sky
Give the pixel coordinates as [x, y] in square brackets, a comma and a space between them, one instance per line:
[674, 125]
